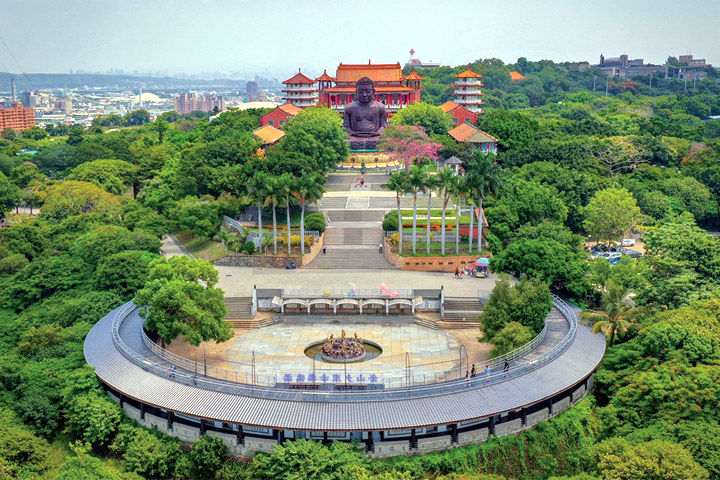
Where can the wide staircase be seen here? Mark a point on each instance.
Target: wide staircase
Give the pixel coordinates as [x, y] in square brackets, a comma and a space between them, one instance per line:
[352, 239]
[462, 310]
[239, 311]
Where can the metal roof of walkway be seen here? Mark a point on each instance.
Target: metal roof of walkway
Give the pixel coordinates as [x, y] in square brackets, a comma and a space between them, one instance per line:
[438, 404]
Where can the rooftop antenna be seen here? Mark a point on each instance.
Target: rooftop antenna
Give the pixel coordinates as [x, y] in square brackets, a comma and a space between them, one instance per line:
[412, 53]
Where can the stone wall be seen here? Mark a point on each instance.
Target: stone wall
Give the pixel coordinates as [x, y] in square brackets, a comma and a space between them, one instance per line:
[506, 428]
[473, 436]
[537, 417]
[270, 261]
[428, 264]
[390, 449]
[433, 444]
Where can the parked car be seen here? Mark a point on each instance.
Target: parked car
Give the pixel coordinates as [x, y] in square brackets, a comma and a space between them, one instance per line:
[630, 253]
[628, 242]
[614, 257]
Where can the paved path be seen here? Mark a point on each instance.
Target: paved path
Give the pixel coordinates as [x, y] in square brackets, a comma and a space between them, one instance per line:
[238, 281]
[171, 247]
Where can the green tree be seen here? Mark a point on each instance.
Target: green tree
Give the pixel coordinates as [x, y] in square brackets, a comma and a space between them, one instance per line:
[34, 133]
[309, 189]
[445, 183]
[152, 457]
[656, 460]
[93, 418]
[124, 272]
[399, 183]
[303, 459]
[64, 199]
[113, 176]
[611, 214]
[10, 195]
[102, 241]
[429, 117]
[85, 467]
[75, 135]
[287, 186]
[528, 303]
[256, 191]
[617, 314]
[180, 298]
[206, 457]
[197, 216]
[513, 335]
[483, 177]
[417, 180]
[316, 133]
[24, 174]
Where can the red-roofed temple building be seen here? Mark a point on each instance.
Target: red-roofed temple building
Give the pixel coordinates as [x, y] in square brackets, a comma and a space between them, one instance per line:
[391, 87]
[300, 91]
[467, 90]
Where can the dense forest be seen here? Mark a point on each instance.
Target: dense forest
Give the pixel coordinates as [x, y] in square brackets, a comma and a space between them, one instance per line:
[573, 163]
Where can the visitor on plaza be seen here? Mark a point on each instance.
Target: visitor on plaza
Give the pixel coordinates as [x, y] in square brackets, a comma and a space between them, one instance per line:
[473, 372]
[506, 367]
[467, 378]
[487, 370]
[380, 247]
[324, 249]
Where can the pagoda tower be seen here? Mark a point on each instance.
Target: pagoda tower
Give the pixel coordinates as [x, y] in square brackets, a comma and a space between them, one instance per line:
[467, 90]
[300, 91]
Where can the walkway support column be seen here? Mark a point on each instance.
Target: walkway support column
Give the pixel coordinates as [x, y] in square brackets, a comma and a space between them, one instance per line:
[413, 440]
[369, 442]
[492, 426]
[523, 417]
[142, 411]
[240, 435]
[170, 420]
[454, 433]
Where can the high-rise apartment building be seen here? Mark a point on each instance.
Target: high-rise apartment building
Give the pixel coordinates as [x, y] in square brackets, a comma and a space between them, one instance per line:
[17, 117]
[190, 102]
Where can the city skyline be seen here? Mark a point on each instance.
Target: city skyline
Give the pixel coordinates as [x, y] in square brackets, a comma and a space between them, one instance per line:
[277, 37]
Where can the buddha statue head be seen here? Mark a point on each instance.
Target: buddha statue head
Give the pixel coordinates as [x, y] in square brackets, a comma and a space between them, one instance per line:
[365, 90]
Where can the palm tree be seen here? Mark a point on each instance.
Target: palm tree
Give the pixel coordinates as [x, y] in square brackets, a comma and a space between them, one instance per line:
[445, 180]
[617, 315]
[398, 183]
[485, 179]
[256, 192]
[309, 189]
[224, 236]
[273, 194]
[287, 187]
[416, 183]
[430, 185]
[459, 189]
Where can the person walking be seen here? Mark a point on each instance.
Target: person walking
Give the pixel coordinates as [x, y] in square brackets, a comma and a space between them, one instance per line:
[380, 247]
[467, 378]
[473, 372]
[506, 367]
[324, 249]
[457, 272]
[487, 371]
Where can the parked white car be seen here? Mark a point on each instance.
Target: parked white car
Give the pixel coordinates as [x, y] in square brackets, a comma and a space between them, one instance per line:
[628, 242]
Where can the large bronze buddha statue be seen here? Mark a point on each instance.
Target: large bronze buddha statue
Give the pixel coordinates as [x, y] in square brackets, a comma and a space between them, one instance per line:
[364, 118]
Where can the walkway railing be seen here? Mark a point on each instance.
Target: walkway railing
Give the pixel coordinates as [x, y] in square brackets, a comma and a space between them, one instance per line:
[346, 293]
[193, 373]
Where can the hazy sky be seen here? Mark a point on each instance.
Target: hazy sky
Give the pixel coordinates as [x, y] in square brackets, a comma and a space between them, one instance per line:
[277, 36]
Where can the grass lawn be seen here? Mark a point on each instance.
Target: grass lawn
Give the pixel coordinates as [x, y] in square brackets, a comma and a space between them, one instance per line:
[201, 247]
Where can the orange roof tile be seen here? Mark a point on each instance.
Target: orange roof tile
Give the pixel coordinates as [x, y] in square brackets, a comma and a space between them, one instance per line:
[379, 72]
[299, 78]
[471, 134]
[414, 76]
[462, 132]
[516, 76]
[448, 106]
[269, 134]
[325, 77]
[468, 74]
[290, 109]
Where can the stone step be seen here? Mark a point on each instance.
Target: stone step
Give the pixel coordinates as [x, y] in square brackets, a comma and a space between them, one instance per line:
[461, 316]
[351, 259]
[238, 308]
[424, 322]
[355, 215]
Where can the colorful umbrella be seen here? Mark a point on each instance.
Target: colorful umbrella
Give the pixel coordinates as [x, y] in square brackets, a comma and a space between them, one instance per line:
[482, 262]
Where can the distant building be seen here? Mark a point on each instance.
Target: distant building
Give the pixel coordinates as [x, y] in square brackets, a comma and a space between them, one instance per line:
[416, 63]
[459, 113]
[187, 103]
[30, 99]
[467, 90]
[300, 91]
[278, 117]
[253, 91]
[64, 105]
[467, 133]
[17, 117]
[624, 67]
[688, 68]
